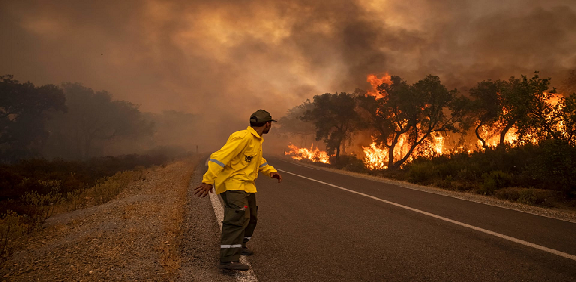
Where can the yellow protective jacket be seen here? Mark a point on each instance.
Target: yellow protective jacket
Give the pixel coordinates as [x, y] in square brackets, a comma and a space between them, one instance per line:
[235, 166]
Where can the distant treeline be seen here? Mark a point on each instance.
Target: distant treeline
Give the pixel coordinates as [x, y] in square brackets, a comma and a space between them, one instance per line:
[74, 122]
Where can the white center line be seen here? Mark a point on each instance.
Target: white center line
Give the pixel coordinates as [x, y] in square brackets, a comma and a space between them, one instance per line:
[486, 231]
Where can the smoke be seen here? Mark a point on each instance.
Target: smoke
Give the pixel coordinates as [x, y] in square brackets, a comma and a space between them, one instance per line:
[222, 60]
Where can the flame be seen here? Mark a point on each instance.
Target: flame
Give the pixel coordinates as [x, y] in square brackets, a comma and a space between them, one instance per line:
[492, 137]
[376, 157]
[554, 100]
[375, 82]
[438, 144]
[315, 155]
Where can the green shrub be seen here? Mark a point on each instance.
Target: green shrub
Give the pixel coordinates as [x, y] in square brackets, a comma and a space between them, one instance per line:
[465, 174]
[348, 162]
[42, 204]
[12, 227]
[421, 172]
[540, 197]
[527, 196]
[445, 183]
[552, 165]
[510, 193]
[494, 181]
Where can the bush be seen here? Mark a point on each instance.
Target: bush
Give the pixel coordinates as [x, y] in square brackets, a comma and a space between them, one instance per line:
[527, 196]
[421, 172]
[551, 165]
[348, 162]
[494, 181]
[511, 193]
[12, 227]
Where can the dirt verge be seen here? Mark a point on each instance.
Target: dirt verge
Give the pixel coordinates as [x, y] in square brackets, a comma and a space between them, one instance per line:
[136, 236]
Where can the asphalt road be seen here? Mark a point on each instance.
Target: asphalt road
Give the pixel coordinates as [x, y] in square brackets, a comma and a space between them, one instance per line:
[312, 231]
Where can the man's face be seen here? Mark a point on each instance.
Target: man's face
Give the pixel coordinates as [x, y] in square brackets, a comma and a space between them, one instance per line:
[267, 127]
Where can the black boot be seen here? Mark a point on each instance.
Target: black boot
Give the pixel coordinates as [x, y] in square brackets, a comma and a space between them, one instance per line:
[246, 252]
[233, 265]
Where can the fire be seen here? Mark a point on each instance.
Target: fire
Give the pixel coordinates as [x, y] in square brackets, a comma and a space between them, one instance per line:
[376, 157]
[315, 155]
[492, 137]
[438, 144]
[554, 101]
[375, 82]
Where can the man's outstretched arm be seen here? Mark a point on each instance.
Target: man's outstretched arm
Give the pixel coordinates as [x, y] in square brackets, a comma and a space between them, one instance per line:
[277, 176]
[270, 170]
[203, 190]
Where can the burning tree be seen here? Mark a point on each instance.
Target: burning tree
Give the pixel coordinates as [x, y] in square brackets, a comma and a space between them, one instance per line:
[408, 114]
[519, 105]
[563, 119]
[335, 119]
[483, 110]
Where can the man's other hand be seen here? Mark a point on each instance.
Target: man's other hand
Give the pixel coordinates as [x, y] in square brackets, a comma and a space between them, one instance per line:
[203, 190]
[276, 175]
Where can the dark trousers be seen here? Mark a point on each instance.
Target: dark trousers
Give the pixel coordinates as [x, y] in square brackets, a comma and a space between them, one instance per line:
[240, 218]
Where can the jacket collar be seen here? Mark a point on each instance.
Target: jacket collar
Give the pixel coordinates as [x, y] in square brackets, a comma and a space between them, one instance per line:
[251, 130]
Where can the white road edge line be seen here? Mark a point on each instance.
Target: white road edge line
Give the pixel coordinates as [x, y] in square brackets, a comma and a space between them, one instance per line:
[243, 276]
[486, 231]
[407, 186]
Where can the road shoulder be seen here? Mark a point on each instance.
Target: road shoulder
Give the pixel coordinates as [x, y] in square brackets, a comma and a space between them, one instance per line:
[200, 238]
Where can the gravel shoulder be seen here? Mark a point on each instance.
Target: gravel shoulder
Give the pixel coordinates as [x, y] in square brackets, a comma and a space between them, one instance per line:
[200, 238]
[154, 230]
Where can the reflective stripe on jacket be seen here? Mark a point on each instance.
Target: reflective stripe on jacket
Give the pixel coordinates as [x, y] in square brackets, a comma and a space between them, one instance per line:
[235, 166]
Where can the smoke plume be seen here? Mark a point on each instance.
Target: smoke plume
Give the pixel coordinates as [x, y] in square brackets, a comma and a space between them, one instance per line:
[222, 60]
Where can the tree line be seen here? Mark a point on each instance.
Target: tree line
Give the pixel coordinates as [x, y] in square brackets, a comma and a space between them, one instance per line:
[416, 112]
[74, 122]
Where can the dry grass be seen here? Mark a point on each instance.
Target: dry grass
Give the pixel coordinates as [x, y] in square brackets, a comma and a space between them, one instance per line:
[134, 236]
[174, 216]
[15, 229]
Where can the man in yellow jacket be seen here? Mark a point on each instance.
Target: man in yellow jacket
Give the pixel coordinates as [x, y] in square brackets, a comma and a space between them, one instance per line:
[233, 170]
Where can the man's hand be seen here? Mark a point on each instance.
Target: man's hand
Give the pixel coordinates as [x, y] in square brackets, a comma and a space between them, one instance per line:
[203, 190]
[276, 175]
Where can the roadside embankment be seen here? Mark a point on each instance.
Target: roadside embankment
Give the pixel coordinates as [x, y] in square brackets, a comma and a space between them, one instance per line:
[135, 236]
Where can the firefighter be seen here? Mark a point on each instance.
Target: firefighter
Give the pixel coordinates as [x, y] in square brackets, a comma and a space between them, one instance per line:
[232, 170]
